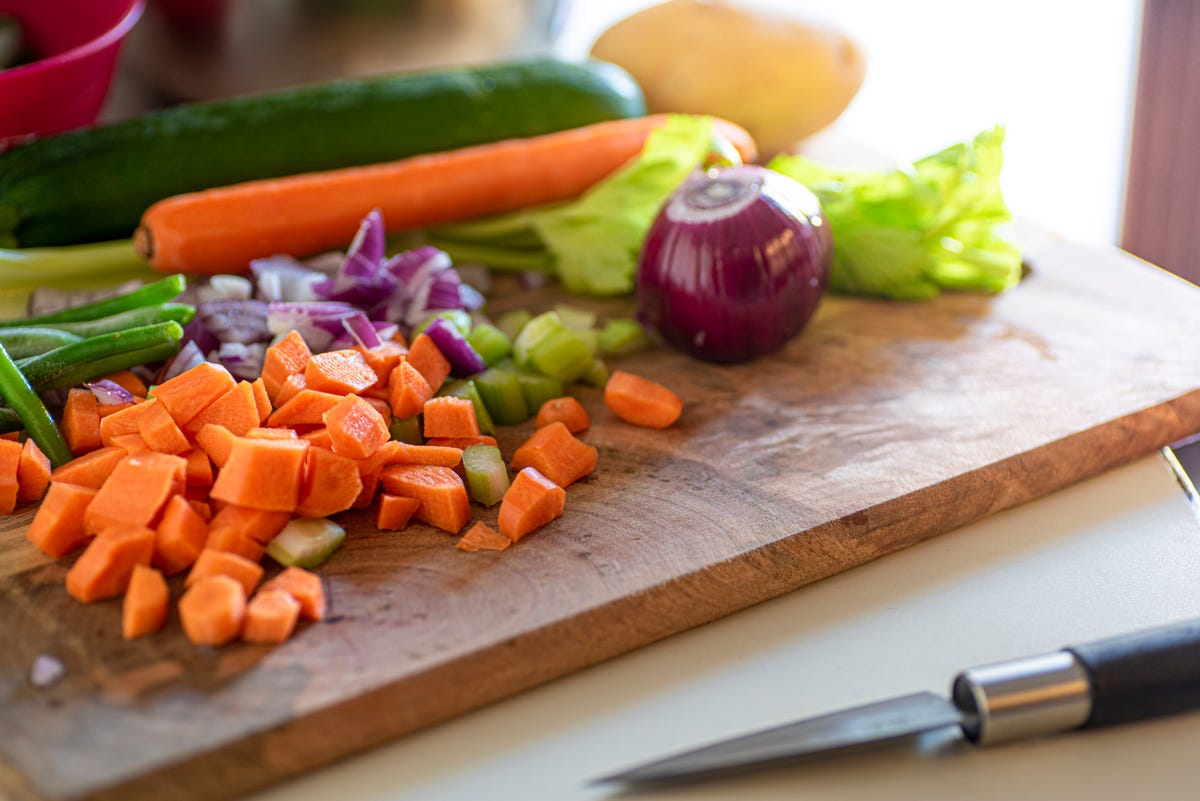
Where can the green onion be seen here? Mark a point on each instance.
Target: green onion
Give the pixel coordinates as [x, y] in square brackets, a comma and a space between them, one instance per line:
[501, 393]
[95, 357]
[22, 342]
[487, 475]
[406, 429]
[467, 389]
[15, 388]
[306, 542]
[490, 343]
[152, 294]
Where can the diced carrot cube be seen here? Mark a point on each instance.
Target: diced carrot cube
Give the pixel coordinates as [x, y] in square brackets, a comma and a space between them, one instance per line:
[57, 527]
[106, 565]
[395, 511]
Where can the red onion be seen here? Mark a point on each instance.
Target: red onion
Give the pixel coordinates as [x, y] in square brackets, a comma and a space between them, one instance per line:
[109, 393]
[735, 264]
[464, 360]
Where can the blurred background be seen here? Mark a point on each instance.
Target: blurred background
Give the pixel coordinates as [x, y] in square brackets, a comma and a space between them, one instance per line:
[1059, 75]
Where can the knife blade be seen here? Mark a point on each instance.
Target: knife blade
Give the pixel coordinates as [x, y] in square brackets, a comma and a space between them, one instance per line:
[1120, 679]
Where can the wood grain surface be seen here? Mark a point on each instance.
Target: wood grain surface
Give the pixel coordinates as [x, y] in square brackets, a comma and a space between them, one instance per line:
[882, 425]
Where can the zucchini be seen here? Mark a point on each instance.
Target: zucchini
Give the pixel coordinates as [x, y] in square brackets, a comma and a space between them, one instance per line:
[93, 184]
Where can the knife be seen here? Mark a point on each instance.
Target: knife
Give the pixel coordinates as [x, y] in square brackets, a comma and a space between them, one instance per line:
[1130, 677]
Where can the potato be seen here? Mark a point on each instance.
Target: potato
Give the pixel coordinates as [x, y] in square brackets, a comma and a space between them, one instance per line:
[780, 76]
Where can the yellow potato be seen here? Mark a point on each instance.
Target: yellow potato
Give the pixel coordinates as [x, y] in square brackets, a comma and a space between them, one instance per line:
[779, 76]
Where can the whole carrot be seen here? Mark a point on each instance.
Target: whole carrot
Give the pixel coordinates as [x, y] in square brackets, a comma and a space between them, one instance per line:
[221, 230]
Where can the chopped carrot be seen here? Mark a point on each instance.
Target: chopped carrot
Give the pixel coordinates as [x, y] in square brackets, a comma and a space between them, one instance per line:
[443, 496]
[319, 438]
[230, 540]
[130, 443]
[212, 610]
[283, 359]
[339, 371]
[408, 390]
[222, 230]
[144, 608]
[306, 407]
[159, 430]
[382, 405]
[382, 360]
[81, 421]
[15, 436]
[57, 527]
[225, 563]
[567, 410]
[121, 423]
[237, 410]
[424, 355]
[305, 587]
[291, 386]
[10, 466]
[216, 442]
[557, 454]
[394, 512]
[262, 474]
[105, 409]
[641, 401]
[130, 382]
[271, 617]
[187, 394]
[136, 492]
[257, 524]
[179, 537]
[33, 473]
[262, 399]
[261, 432]
[460, 443]
[450, 417]
[356, 428]
[91, 469]
[202, 508]
[531, 502]
[482, 537]
[370, 487]
[199, 472]
[105, 566]
[396, 452]
[331, 483]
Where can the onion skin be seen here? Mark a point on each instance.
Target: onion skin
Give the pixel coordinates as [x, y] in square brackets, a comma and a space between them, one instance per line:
[735, 264]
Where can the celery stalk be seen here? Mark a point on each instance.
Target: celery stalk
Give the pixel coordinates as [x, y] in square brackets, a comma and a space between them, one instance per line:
[306, 542]
[487, 475]
[501, 393]
[490, 343]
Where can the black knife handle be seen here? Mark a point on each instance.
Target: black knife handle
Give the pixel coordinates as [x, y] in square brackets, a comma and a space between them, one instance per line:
[1143, 675]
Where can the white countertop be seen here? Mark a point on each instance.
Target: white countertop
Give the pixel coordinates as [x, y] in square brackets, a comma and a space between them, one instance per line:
[1110, 555]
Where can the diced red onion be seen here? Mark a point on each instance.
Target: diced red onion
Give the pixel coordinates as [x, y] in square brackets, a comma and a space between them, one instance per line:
[283, 278]
[366, 249]
[464, 360]
[361, 329]
[109, 393]
[469, 298]
[46, 671]
[188, 357]
[318, 322]
[235, 320]
[243, 361]
[225, 287]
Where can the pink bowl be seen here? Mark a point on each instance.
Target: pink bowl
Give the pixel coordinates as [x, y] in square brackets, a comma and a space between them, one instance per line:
[80, 40]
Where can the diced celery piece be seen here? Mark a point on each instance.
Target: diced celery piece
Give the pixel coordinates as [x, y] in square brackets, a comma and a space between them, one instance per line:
[490, 343]
[487, 475]
[537, 389]
[536, 330]
[622, 336]
[597, 374]
[512, 322]
[306, 542]
[458, 318]
[575, 318]
[466, 388]
[546, 344]
[590, 338]
[501, 392]
[406, 429]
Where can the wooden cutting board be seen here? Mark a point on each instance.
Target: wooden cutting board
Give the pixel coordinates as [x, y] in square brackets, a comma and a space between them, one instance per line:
[883, 425]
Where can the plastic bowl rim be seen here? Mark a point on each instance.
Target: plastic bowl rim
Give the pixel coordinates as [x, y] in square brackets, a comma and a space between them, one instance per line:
[109, 37]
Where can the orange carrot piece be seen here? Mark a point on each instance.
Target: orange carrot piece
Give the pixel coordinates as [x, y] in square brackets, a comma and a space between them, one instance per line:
[567, 410]
[130, 443]
[291, 386]
[450, 417]
[159, 431]
[382, 405]
[222, 230]
[331, 484]
[202, 508]
[356, 428]
[262, 399]
[57, 527]
[81, 421]
[306, 407]
[557, 454]
[285, 358]
[396, 452]
[262, 474]
[260, 432]
[482, 537]
[460, 443]
[212, 610]
[370, 488]
[531, 502]
[640, 401]
[319, 438]
[199, 472]
[179, 536]
[105, 566]
[10, 465]
[237, 410]
[105, 410]
[271, 617]
[305, 587]
[225, 563]
[121, 423]
[187, 394]
[257, 524]
[382, 360]
[144, 608]
[230, 540]
[33, 473]
[395, 511]
[15, 436]
[216, 442]
[408, 390]
[91, 469]
[136, 492]
[339, 371]
[424, 355]
[443, 496]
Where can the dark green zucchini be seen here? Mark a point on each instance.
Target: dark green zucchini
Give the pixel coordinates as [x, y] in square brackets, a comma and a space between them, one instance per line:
[93, 184]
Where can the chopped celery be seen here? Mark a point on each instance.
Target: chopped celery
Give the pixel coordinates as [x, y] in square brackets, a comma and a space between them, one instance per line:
[537, 389]
[622, 336]
[456, 317]
[590, 337]
[466, 388]
[306, 542]
[490, 343]
[501, 391]
[597, 374]
[546, 344]
[487, 475]
[406, 429]
[575, 318]
[512, 322]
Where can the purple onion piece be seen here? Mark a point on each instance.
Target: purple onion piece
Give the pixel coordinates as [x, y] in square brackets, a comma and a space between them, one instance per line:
[46, 671]
[361, 329]
[318, 322]
[224, 287]
[365, 253]
[243, 361]
[385, 330]
[464, 360]
[470, 298]
[235, 320]
[109, 393]
[188, 357]
[284, 278]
